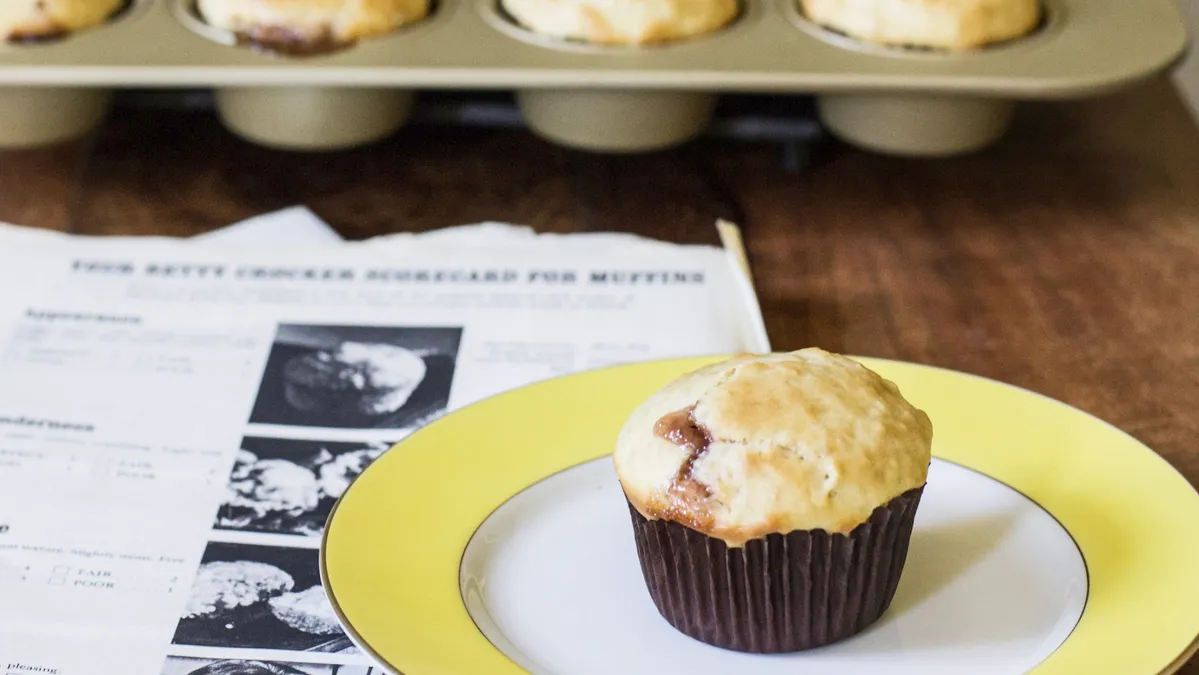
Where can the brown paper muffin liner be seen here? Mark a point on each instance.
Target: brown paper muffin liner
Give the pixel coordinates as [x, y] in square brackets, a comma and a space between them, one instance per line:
[780, 593]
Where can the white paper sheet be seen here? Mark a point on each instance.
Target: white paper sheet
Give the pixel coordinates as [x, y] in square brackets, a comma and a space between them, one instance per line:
[291, 226]
[177, 417]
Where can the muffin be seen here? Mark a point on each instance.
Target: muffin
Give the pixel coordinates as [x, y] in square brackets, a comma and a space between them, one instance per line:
[35, 20]
[622, 22]
[355, 379]
[221, 588]
[772, 498]
[955, 25]
[274, 495]
[309, 26]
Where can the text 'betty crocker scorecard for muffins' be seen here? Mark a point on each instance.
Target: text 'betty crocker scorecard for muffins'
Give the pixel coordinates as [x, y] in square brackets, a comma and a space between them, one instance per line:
[178, 419]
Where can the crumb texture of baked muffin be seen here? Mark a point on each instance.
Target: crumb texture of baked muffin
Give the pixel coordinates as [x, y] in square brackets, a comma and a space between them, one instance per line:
[628, 22]
[222, 586]
[935, 24]
[34, 19]
[771, 444]
[298, 22]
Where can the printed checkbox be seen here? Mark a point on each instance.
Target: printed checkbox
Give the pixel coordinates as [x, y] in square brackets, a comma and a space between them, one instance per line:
[57, 581]
[61, 569]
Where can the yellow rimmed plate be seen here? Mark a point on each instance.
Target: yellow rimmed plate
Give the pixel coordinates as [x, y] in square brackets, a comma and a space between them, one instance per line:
[495, 541]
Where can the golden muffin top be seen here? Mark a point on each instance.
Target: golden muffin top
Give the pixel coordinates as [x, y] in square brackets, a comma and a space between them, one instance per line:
[773, 443]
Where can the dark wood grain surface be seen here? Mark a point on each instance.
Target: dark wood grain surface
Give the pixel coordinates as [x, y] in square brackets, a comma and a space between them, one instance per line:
[1065, 260]
[38, 187]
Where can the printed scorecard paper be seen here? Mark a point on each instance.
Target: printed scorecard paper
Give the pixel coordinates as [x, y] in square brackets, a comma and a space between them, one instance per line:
[177, 417]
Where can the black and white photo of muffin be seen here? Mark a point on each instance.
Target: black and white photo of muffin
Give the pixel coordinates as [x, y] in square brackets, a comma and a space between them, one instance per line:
[260, 488]
[363, 377]
[285, 486]
[186, 665]
[224, 587]
[260, 597]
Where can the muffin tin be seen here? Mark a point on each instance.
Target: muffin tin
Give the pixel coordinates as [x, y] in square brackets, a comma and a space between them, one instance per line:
[609, 99]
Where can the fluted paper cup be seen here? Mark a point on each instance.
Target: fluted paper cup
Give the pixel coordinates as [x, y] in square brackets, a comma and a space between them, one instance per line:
[780, 593]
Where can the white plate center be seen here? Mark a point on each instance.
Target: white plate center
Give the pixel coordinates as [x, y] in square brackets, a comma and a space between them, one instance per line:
[992, 584]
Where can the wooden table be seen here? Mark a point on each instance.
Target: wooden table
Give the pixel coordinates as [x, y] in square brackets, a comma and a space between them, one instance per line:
[1065, 260]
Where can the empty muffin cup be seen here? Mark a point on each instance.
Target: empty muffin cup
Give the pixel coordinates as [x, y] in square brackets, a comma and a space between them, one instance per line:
[616, 121]
[915, 124]
[36, 116]
[313, 118]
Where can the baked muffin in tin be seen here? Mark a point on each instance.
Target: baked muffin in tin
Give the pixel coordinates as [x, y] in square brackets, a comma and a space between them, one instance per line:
[949, 25]
[39, 20]
[622, 22]
[310, 26]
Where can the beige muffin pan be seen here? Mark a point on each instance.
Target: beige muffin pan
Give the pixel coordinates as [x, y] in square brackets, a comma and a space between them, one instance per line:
[611, 99]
